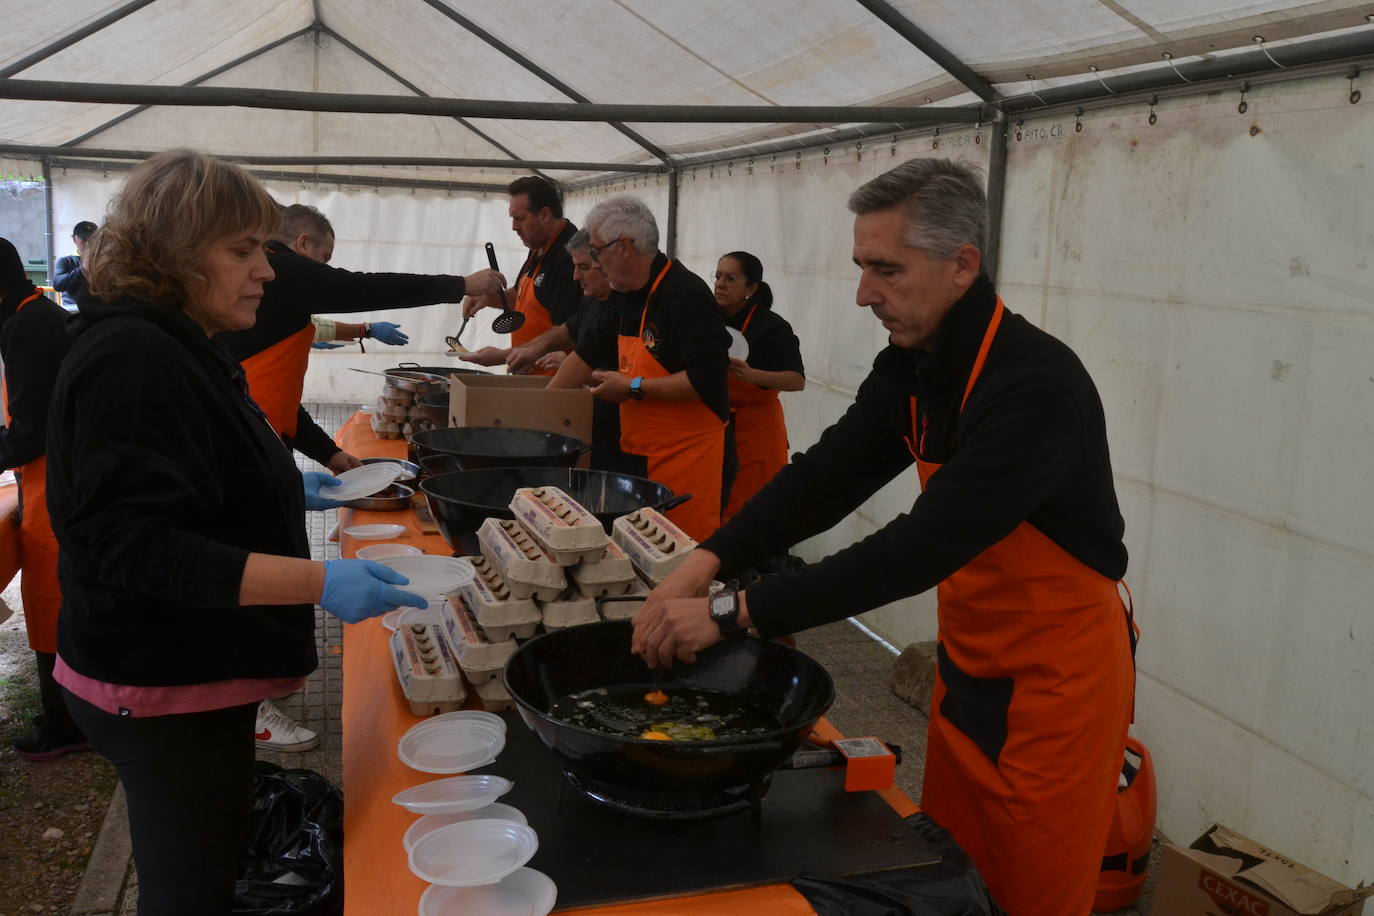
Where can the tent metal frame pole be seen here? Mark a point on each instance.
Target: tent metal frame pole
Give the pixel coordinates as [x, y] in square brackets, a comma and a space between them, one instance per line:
[306, 178]
[411, 86]
[71, 38]
[670, 244]
[540, 72]
[83, 152]
[997, 187]
[931, 48]
[49, 236]
[365, 103]
[272, 45]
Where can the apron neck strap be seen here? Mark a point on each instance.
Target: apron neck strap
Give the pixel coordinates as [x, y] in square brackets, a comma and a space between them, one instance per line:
[643, 319]
[982, 357]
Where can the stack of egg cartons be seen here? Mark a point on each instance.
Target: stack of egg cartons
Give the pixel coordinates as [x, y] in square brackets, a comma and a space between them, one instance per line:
[654, 546]
[393, 412]
[484, 620]
[573, 538]
[426, 669]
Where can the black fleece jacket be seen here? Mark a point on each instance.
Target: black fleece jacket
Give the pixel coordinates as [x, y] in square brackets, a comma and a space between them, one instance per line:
[162, 478]
[1029, 446]
[32, 344]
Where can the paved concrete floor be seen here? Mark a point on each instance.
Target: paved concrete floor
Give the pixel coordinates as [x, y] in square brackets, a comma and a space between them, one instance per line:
[860, 665]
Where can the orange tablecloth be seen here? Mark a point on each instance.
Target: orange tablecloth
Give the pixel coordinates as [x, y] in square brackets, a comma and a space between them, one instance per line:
[375, 715]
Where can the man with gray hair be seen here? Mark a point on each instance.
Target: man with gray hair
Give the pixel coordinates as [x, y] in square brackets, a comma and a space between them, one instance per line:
[1019, 532]
[670, 348]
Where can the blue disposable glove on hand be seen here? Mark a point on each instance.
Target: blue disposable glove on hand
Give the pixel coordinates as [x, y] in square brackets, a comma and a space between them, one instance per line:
[388, 333]
[358, 589]
[315, 481]
[326, 345]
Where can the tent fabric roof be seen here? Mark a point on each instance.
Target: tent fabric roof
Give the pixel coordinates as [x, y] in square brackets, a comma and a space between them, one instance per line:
[708, 52]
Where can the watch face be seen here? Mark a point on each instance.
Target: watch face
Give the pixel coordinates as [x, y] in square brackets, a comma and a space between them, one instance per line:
[722, 605]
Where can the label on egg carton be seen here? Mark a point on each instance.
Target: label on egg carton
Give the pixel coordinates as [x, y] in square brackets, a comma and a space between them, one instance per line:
[476, 650]
[570, 609]
[527, 569]
[655, 545]
[611, 573]
[426, 669]
[497, 611]
[559, 523]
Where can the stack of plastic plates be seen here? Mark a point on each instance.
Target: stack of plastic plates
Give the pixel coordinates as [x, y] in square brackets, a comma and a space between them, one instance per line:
[472, 853]
[363, 481]
[452, 795]
[451, 745]
[432, 822]
[524, 892]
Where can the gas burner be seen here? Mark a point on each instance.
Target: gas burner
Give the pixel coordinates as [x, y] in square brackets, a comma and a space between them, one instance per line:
[640, 803]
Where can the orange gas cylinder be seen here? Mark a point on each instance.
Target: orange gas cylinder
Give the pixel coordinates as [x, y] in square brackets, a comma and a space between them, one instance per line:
[1128, 844]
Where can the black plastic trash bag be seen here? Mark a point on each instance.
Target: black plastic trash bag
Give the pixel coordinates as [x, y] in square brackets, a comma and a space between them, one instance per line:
[294, 860]
[950, 887]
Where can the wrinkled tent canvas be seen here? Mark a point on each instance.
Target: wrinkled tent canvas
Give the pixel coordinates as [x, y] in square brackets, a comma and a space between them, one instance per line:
[1184, 202]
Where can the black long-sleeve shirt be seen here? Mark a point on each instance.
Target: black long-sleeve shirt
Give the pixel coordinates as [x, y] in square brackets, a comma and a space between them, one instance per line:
[32, 345]
[303, 287]
[162, 479]
[1029, 446]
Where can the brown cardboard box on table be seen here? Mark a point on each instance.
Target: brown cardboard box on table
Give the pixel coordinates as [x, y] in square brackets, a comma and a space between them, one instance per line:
[1226, 874]
[520, 401]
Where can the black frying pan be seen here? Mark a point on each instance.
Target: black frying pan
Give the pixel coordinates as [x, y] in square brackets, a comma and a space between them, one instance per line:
[775, 679]
[499, 446]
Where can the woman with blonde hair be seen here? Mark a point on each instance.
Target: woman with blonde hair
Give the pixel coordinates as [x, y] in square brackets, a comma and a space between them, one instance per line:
[188, 589]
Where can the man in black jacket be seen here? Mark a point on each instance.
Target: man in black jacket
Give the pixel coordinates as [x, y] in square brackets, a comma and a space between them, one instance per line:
[33, 342]
[275, 351]
[67, 278]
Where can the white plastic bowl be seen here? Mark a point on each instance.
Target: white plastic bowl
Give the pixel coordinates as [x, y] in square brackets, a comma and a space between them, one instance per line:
[452, 795]
[470, 853]
[432, 822]
[524, 892]
[379, 552]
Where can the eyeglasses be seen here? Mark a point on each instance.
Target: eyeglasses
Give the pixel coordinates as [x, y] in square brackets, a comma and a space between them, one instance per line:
[597, 249]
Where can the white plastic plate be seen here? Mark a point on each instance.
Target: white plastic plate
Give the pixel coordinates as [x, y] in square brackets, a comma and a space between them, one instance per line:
[524, 892]
[373, 532]
[449, 747]
[379, 552]
[470, 853]
[432, 575]
[432, 822]
[739, 347]
[356, 483]
[469, 715]
[452, 795]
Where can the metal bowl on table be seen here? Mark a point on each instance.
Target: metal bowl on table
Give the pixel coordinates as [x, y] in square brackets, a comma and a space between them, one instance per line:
[393, 499]
[433, 407]
[410, 470]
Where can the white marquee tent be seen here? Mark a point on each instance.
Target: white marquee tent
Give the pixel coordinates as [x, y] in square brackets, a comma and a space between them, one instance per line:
[1182, 190]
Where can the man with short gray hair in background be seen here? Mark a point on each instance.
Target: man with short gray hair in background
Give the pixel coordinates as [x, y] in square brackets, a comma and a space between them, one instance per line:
[1016, 526]
[670, 350]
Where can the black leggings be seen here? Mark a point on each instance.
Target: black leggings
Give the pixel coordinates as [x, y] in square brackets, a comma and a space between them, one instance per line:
[189, 782]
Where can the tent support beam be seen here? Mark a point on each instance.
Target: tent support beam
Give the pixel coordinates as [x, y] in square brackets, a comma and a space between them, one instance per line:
[931, 48]
[48, 236]
[997, 187]
[540, 72]
[409, 85]
[292, 100]
[71, 38]
[307, 178]
[8, 149]
[670, 244]
[195, 82]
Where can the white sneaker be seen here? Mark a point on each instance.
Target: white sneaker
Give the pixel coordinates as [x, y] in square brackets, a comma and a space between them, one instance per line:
[275, 730]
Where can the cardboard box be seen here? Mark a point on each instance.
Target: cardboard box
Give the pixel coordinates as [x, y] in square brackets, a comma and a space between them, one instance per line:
[1226, 874]
[521, 401]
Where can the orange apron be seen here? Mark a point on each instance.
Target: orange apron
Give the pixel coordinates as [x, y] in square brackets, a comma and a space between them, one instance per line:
[1028, 718]
[760, 437]
[38, 586]
[276, 378]
[684, 441]
[537, 319]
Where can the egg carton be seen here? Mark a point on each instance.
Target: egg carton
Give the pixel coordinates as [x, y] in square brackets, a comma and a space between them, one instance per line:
[528, 570]
[397, 397]
[498, 613]
[654, 545]
[495, 697]
[390, 412]
[566, 531]
[473, 648]
[611, 573]
[570, 609]
[384, 428]
[427, 669]
[637, 592]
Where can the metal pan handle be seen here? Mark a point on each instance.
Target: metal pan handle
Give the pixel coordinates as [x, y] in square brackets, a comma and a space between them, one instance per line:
[675, 502]
[604, 598]
[491, 257]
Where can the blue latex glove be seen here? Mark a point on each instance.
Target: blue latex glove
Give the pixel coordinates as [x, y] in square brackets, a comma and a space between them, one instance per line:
[325, 345]
[358, 589]
[388, 333]
[314, 482]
